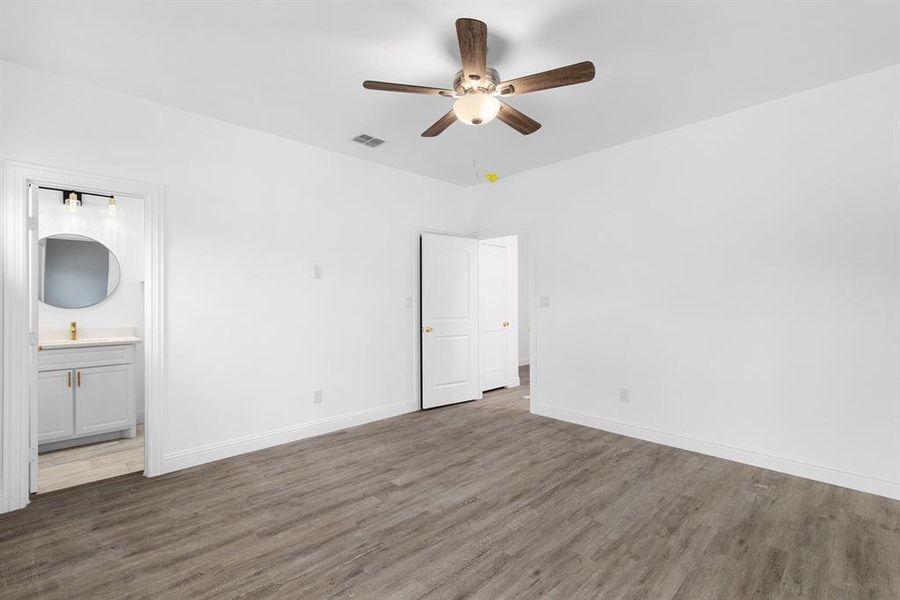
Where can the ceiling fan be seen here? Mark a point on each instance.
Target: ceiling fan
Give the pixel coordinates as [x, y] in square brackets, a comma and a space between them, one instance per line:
[477, 88]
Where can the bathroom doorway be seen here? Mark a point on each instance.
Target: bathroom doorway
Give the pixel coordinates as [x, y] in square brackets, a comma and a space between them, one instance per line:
[90, 375]
[82, 329]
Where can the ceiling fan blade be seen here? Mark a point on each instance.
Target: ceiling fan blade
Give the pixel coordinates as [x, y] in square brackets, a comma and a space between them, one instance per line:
[578, 73]
[441, 124]
[408, 89]
[472, 36]
[517, 119]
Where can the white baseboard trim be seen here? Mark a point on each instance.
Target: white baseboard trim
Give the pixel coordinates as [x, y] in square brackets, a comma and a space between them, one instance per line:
[139, 417]
[524, 361]
[862, 483]
[192, 457]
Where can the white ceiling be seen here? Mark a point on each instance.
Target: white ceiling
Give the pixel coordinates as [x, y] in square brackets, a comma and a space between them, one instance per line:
[295, 69]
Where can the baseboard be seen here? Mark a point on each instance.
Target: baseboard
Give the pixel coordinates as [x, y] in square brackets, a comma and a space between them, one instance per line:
[862, 483]
[199, 455]
[139, 417]
[523, 362]
[82, 441]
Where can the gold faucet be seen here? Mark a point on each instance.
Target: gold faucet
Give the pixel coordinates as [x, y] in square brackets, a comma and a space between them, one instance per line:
[73, 331]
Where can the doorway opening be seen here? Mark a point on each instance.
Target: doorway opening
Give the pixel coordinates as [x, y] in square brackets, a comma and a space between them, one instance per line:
[498, 312]
[24, 353]
[475, 316]
[88, 405]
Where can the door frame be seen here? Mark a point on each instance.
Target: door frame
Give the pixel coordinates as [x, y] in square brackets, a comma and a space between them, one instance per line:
[528, 231]
[18, 368]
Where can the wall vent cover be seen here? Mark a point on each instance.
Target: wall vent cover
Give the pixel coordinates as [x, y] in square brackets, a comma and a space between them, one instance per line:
[368, 140]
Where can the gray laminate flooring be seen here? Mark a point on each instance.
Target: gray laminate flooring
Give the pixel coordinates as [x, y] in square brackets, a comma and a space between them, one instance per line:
[479, 500]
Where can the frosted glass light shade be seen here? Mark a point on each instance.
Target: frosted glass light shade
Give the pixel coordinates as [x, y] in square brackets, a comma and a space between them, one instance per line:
[476, 108]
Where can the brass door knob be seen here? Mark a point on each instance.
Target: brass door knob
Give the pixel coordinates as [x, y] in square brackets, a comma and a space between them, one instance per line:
[427, 329]
[506, 323]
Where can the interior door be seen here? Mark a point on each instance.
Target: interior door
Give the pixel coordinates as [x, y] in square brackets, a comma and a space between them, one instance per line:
[104, 399]
[449, 320]
[494, 317]
[56, 409]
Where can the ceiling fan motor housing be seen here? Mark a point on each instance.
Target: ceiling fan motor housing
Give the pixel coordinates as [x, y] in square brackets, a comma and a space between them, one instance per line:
[488, 83]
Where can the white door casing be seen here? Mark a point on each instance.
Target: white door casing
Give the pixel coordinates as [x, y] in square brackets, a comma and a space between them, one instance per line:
[498, 312]
[18, 364]
[33, 258]
[449, 320]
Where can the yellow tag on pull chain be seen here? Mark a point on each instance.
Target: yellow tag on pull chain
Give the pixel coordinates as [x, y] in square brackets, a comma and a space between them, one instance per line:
[492, 177]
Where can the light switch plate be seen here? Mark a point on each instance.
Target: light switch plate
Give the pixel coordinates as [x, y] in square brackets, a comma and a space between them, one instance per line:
[409, 302]
[544, 302]
[317, 271]
[317, 396]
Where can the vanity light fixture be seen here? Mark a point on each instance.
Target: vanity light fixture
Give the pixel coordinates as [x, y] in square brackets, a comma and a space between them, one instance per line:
[73, 199]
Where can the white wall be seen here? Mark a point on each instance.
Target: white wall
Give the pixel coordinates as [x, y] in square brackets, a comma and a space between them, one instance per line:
[124, 236]
[249, 333]
[740, 276]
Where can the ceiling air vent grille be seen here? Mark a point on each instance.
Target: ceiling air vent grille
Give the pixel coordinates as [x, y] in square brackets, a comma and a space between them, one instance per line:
[368, 140]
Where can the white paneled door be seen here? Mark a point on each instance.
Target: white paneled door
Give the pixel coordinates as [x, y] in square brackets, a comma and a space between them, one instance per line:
[449, 320]
[498, 312]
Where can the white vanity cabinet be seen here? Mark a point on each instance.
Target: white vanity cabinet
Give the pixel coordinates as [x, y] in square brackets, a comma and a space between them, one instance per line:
[85, 391]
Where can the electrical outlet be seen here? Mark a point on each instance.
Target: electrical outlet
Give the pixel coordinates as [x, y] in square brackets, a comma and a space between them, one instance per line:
[624, 395]
[544, 302]
[317, 271]
[317, 396]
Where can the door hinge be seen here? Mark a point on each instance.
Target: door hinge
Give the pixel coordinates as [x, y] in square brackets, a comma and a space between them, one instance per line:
[32, 339]
[32, 223]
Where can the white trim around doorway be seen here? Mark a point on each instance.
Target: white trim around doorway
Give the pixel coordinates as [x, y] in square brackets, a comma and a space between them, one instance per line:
[18, 344]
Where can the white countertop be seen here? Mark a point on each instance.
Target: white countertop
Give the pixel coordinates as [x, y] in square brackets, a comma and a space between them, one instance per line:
[109, 336]
[87, 342]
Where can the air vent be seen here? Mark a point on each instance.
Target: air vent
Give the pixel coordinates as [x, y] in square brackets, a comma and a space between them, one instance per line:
[368, 140]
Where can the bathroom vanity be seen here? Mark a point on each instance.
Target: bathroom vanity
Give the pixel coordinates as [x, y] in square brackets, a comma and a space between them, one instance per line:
[86, 389]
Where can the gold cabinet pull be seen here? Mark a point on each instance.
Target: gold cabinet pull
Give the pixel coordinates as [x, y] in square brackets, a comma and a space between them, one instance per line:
[69, 379]
[427, 329]
[506, 323]
[79, 378]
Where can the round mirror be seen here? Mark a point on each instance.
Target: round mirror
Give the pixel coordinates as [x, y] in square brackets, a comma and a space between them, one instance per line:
[75, 271]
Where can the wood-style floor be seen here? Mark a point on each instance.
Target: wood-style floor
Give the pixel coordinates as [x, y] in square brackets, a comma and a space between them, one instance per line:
[480, 500]
[83, 464]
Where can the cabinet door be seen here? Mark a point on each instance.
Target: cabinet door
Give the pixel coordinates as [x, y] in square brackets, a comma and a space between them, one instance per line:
[56, 416]
[104, 399]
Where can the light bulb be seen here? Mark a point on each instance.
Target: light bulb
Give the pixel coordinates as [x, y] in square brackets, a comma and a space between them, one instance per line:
[72, 202]
[111, 207]
[476, 108]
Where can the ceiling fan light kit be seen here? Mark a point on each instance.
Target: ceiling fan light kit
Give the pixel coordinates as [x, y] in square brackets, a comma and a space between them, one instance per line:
[477, 88]
[476, 108]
